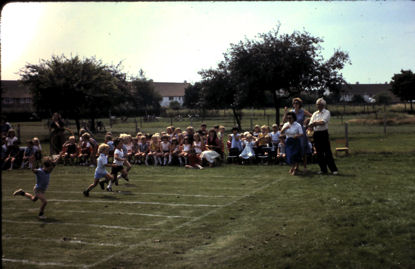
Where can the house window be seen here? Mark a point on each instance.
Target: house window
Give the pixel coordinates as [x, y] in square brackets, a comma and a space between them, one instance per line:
[171, 98]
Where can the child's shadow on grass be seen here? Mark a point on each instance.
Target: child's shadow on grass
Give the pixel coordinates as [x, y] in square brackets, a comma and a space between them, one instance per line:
[311, 174]
[108, 197]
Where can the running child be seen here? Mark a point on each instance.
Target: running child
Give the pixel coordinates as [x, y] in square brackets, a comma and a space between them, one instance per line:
[119, 160]
[100, 171]
[42, 182]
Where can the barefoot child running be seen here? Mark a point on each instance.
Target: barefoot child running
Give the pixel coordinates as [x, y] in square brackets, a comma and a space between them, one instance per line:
[100, 171]
[42, 182]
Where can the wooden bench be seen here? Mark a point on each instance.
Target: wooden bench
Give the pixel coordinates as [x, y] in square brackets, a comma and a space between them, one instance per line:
[344, 149]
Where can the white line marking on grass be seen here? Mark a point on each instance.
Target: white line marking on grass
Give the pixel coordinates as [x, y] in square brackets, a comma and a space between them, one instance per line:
[123, 202]
[186, 223]
[156, 193]
[226, 205]
[71, 241]
[126, 213]
[78, 224]
[105, 213]
[43, 263]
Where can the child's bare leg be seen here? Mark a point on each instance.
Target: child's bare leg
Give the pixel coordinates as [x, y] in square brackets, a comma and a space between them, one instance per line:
[42, 198]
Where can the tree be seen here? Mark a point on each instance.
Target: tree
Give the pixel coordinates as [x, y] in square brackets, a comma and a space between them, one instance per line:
[284, 65]
[192, 95]
[358, 99]
[76, 88]
[174, 105]
[403, 86]
[145, 99]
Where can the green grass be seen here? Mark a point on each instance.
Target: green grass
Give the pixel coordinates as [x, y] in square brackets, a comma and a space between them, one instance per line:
[224, 217]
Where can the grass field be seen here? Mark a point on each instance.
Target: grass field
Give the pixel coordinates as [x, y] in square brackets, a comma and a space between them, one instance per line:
[225, 217]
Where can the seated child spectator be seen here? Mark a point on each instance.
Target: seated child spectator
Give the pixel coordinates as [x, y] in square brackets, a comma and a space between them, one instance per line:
[194, 160]
[155, 151]
[110, 143]
[185, 149]
[141, 155]
[38, 148]
[175, 152]
[70, 151]
[29, 155]
[263, 141]
[11, 137]
[248, 152]
[236, 143]
[256, 131]
[198, 144]
[135, 150]
[165, 149]
[13, 156]
[85, 150]
[281, 150]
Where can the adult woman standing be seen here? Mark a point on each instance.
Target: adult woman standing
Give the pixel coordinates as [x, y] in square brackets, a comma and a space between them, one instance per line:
[319, 123]
[57, 136]
[301, 114]
[293, 131]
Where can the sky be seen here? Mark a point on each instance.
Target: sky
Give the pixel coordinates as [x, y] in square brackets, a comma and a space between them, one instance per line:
[172, 41]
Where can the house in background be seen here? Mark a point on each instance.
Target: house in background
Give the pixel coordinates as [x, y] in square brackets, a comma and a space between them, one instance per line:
[170, 91]
[15, 98]
[367, 91]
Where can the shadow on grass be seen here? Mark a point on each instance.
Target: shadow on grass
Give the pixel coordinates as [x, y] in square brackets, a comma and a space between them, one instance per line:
[129, 185]
[108, 197]
[310, 175]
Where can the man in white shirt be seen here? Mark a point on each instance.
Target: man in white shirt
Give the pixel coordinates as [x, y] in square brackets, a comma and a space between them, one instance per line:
[319, 123]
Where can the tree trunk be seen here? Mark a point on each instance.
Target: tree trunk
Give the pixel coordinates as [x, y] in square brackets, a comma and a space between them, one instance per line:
[92, 125]
[277, 108]
[412, 110]
[237, 117]
[78, 126]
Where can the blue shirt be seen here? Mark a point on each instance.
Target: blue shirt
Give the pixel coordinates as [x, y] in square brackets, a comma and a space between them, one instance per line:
[101, 162]
[42, 179]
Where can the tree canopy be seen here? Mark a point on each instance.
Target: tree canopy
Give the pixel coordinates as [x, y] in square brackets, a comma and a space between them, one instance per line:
[145, 99]
[76, 88]
[403, 86]
[282, 65]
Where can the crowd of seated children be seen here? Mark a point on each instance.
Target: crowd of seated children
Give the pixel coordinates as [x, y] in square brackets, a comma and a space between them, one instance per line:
[173, 146]
[13, 156]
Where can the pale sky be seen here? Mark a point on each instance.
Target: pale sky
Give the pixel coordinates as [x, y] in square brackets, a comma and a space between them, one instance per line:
[172, 41]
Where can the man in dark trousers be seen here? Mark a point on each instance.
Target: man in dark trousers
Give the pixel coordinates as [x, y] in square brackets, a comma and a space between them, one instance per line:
[319, 123]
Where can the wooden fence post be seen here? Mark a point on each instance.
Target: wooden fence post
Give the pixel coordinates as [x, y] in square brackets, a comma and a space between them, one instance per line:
[18, 133]
[346, 133]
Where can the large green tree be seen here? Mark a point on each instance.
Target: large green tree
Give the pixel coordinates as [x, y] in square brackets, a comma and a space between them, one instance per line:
[284, 65]
[192, 95]
[77, 88]
[403, 86]
[145, 99]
